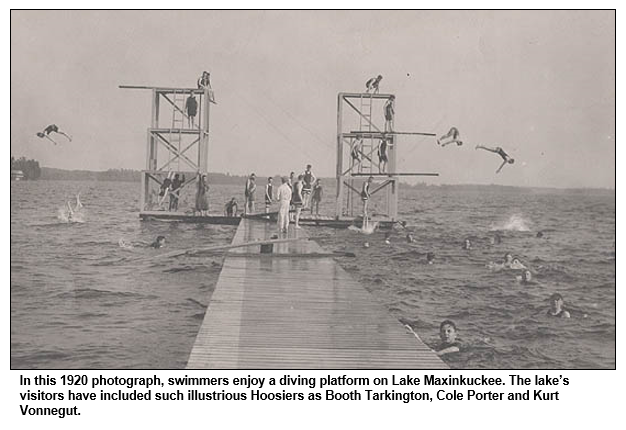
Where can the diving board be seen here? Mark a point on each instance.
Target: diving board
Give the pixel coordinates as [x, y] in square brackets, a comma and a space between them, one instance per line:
[298, 313]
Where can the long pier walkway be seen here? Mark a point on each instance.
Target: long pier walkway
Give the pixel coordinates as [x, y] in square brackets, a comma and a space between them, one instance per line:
[289, 311]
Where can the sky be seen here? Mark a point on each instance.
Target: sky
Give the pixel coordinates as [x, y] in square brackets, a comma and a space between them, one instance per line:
[540, 84]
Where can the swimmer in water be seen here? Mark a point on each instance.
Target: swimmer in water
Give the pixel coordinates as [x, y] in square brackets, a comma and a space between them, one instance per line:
[410, 238]
[525, 278]
[501, 153]
[516, 264]
[556, 307]
[387, 238]
[540, 234]
[366, 245]
[495, 239]
[158, 243]
[430, 257]
[467, 244]
[447, 333]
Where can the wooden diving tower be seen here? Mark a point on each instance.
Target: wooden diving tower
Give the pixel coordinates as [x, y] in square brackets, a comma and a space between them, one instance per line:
[365, 123]
[174, 144]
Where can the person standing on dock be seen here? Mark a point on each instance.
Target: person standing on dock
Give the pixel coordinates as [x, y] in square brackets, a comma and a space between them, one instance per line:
[284, 200]
[269, 193]
[191, 109]
[297, 198]
[316, 197]
[202, 195]
[177, 183]
[389, 112]
[249, 194]
[372, 84]
[307, 185]
[365, 196]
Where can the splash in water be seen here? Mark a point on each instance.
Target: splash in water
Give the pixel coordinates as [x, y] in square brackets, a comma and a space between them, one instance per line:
[368, 227]
[515, 222]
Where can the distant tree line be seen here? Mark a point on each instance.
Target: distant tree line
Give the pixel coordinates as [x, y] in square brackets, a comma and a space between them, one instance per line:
[30, 168]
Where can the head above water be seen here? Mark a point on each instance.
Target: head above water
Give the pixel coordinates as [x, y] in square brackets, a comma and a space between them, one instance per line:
[508, 257]
[527, 276]
[447, 331]
[556, 301]
[430, 257]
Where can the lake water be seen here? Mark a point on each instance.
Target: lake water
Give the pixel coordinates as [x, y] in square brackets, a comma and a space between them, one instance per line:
[80, 300]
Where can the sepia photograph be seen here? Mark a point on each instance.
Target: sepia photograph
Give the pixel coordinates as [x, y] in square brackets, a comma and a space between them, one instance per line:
[290, 189]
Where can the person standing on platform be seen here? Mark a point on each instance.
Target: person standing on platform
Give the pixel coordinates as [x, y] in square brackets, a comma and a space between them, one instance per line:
[389, 112]
[316, 197]
[269, 194]
[307, 185]
[191, 109]
[383, 156]
[177, 183]
[284, 200]
[365, 196]
[296, 198]
[202, 195]
[249, 194]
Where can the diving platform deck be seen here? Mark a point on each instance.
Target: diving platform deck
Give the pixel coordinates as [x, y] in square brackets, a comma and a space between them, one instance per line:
[305, 220]
[298, 313]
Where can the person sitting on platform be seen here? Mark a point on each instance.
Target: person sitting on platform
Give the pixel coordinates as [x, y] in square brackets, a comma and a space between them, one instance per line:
[230, 209]
[372, 84]
[447, 333]
[316, 197]
[191, 109]
[177, 183]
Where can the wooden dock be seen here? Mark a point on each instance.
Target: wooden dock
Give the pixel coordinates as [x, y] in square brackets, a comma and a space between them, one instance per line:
[298, 313]
[305, 219]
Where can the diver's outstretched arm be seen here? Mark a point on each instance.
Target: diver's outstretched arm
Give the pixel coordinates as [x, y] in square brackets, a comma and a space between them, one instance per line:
[486, 148]
[501, 166]
[65, 134]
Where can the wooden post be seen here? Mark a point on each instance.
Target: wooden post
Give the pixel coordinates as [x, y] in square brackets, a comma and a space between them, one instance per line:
[392, 193]
[339, 203]
[203, 150]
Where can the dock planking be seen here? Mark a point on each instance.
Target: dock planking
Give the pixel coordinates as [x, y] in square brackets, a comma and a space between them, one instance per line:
[298, 313]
